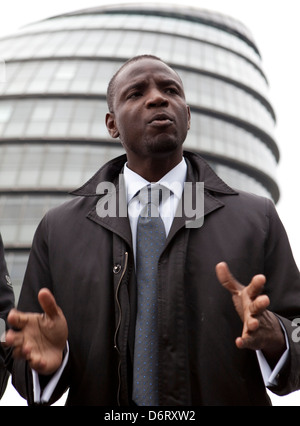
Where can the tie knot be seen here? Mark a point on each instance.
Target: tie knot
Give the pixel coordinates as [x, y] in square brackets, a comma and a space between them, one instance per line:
[150, 198]
[153, 194]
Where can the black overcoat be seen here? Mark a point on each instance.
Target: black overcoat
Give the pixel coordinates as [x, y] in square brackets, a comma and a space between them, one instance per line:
[87, 262]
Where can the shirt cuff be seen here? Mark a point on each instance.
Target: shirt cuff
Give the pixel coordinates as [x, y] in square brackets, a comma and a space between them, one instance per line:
[43, 397]
[269, 376]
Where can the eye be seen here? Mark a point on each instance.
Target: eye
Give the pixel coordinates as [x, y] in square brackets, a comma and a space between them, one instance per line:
[134, 95]
[172, 91]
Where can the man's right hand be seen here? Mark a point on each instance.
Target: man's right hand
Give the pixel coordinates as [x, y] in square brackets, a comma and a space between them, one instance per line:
[41, 338]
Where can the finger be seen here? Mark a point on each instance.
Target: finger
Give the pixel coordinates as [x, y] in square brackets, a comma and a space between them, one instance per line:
[259, 305]
[48, 303]
[18, 353]
[17, 319]
[245, 343]
[227, 279]
[239, 343]
[256, 286]
[251, 323]
[27, 353]
[13, 338]
[36, 361]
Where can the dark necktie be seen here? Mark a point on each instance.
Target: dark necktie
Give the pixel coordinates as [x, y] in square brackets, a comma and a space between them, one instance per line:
[150, 241]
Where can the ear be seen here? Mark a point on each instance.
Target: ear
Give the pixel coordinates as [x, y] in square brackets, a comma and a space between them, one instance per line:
[189, 117]
[111, 125]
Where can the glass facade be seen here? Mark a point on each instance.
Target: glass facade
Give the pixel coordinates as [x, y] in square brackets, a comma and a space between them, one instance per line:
[53, 104]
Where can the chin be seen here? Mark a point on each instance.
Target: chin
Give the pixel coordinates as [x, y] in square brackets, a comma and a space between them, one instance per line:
[163, 146]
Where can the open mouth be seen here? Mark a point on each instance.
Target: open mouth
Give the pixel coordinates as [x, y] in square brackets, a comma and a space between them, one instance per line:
[161, 120]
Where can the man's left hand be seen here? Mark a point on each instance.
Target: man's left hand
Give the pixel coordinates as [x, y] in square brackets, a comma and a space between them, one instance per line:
[261, 330]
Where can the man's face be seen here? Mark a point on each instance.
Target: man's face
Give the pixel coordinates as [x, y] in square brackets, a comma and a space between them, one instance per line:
[150, 114]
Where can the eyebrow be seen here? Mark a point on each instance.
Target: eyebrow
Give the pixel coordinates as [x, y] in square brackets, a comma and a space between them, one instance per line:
[134, 86]
[138, 85]
[171, 82]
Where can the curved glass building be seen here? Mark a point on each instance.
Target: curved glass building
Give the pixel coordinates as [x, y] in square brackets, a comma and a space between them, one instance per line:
[52, 106]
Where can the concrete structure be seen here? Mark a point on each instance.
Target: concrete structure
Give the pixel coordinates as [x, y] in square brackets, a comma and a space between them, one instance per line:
[52, 106]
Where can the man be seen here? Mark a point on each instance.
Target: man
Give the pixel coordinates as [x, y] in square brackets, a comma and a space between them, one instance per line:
[7, 302]
[84, 333]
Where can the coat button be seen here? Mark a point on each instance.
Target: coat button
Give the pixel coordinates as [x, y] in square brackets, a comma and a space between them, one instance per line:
[117, 268]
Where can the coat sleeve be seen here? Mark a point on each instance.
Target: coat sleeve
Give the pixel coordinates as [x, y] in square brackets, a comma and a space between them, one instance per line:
[7, 302]
[283, 289]
[37, 276]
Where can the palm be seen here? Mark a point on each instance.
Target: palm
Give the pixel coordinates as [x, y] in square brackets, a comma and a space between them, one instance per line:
[41, 339]
[261, 328]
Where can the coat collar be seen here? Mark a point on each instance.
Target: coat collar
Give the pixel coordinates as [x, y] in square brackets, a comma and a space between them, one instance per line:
[197, 171]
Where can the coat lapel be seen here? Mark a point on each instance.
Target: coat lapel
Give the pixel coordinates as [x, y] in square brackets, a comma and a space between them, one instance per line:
[114, 199]
[182, 220]
[111, 211]
[199, 171]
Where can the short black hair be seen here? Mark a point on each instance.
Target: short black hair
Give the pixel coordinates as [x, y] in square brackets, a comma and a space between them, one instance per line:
[111, 86]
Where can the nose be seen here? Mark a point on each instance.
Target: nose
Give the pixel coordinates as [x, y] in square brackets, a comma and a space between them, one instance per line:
[156, 99]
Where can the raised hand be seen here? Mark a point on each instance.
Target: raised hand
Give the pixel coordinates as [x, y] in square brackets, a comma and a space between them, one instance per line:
[41, 338]
[261, 330]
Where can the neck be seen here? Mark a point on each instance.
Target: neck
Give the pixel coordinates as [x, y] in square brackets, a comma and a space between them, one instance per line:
[153, 169]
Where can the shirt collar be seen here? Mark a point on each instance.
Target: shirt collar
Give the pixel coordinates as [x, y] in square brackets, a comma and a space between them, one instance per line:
[173, 180]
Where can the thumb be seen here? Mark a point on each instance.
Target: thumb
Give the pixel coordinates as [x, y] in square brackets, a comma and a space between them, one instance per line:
[48, 303]
[227, 279]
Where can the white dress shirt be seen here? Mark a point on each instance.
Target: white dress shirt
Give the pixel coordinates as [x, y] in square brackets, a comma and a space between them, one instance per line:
[174, 181]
